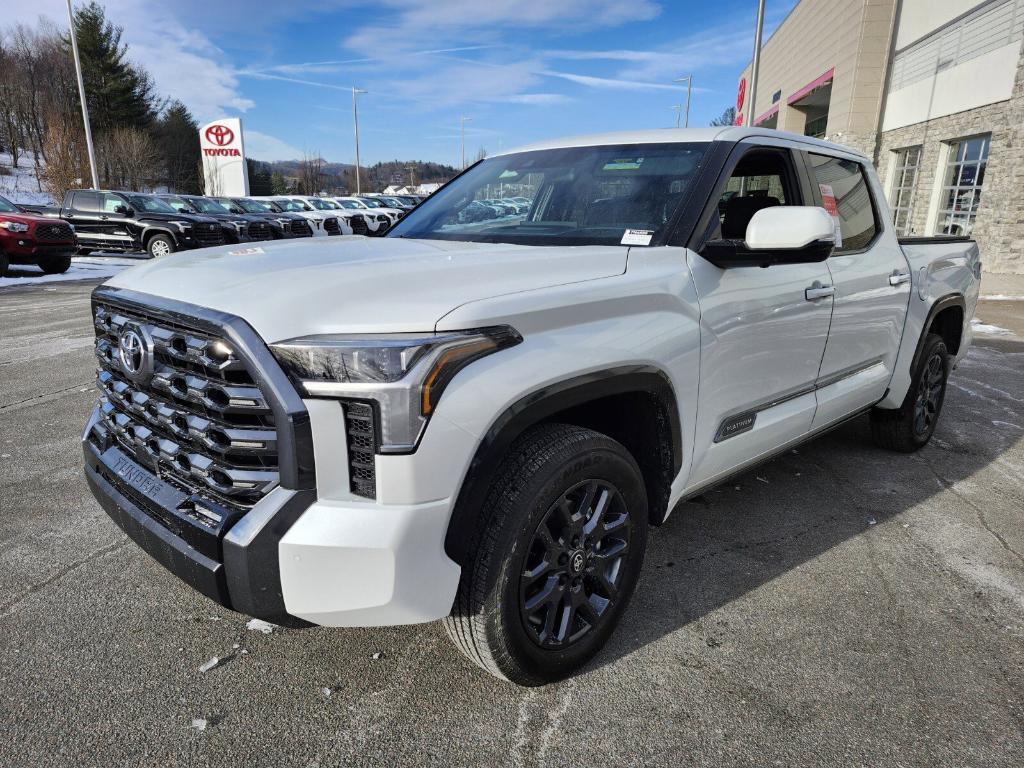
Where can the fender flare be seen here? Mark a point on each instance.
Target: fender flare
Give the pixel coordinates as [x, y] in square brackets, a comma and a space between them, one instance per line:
[534, 408]
[149, 231]
[940, 304]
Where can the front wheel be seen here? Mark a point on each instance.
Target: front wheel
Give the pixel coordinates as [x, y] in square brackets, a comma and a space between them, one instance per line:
[556, 556]
[160, 245]
[55, 265]
[911, 426]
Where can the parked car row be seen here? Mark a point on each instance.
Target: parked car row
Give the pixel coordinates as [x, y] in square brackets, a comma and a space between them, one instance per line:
[161, 224]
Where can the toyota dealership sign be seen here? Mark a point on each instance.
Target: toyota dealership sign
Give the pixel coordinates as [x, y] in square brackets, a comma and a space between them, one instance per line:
[224, 168]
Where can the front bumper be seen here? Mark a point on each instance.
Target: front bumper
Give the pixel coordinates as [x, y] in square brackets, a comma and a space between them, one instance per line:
[26, 250]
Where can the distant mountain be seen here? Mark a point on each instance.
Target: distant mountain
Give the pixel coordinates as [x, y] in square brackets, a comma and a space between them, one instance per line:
[340, 177]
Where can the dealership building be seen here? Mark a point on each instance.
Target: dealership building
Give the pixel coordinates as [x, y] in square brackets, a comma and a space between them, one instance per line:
[931, 90]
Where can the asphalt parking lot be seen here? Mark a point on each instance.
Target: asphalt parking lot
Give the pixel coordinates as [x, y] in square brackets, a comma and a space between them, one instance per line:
[838, 606]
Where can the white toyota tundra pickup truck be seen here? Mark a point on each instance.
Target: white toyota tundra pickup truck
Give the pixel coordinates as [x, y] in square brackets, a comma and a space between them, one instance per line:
[480, 420]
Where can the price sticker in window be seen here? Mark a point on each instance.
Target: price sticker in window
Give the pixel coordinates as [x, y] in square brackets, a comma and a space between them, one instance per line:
[637, 237]
[828, 202]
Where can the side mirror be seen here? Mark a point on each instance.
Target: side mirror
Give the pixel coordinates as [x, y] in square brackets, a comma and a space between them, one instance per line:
[182, 209]
[123, 209]
[794, 234]
[236, 209]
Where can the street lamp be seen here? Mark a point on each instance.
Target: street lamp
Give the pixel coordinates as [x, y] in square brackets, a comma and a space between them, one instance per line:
[755, 65]
[462, 130]
[678, 108]
[355, 122]
[81, 94]
[689, 86]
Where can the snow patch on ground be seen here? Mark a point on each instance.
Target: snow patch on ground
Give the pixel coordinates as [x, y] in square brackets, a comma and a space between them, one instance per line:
[19, 185]
[259, 625]
[82, 268]
[992, 330]
[999, 297]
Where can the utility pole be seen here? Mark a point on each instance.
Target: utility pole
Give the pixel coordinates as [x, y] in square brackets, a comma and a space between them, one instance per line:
[689, 88]
[462, 130]
[755, 66]
[412, 175]
[81, 95]
[678, 108]
[355, 122]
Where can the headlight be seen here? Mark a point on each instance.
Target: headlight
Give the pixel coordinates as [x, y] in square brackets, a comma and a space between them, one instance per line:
[284, 222]
[404, 373]
[14, 226]
[182, 225]
[239, 225]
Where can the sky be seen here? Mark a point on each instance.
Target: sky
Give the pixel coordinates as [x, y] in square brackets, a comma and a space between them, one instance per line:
[521, 70]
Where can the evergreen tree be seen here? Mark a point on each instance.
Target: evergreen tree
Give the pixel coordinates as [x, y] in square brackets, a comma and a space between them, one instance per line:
[119, 94]
[279, 183]
[260, 182]
[728, 117]
[177, 135]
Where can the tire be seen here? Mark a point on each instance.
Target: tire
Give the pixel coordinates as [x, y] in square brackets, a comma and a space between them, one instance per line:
[160, 245]
[55, 265]
[3, 264]
[911, 426]
[504, 617]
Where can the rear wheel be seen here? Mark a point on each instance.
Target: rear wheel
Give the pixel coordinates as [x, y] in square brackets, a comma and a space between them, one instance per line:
[911, 426]
[556, 556]
[160, 245]
[55, 265]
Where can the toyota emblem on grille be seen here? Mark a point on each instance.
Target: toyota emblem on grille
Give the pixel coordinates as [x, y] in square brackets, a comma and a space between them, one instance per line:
[135, 352]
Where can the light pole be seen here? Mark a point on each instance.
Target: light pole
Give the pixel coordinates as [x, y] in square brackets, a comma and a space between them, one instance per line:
[755, 66]
[412, 175]
[678, 108]
[355, 123]
[81, 95]
[689, 87]
[462, 131]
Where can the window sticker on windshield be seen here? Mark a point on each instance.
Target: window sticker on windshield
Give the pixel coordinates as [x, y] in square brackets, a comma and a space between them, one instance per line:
[508, 173]
[828, 202]
[623, 164]
[637, 237]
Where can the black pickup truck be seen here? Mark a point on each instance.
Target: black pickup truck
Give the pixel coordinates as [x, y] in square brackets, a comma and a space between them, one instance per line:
[129, 221]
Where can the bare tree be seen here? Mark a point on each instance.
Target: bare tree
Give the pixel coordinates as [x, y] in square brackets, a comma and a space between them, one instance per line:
[129, 158]
[66, 165]
[311, 174]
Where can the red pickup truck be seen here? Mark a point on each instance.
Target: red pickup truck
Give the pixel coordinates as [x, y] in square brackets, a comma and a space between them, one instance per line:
[29, 239]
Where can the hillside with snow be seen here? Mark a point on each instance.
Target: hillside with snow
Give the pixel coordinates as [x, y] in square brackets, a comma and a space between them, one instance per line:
[19, 185]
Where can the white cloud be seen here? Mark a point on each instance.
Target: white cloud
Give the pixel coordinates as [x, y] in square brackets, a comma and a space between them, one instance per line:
[610, 82]
[183, 62]
[262, 146]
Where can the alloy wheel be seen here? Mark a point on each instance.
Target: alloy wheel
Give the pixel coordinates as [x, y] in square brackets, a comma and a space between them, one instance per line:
[929, 394]
[574, 565]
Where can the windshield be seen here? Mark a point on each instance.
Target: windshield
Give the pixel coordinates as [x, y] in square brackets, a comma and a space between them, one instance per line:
[7, 206]
[292, 205]
[349, 204]
[576, 196]
[151, 204]
[394, 202]
[321, 205]
[371, 203]
[206, 205]
[255, 206]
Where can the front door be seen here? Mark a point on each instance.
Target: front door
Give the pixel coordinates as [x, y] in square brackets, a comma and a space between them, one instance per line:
[115, 224]
[84, 215]
[762, 333]
[871, 277]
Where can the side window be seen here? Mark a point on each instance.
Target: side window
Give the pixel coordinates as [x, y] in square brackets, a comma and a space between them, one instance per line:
[761, 179]
[84, 201]
[110, 202]
[845, 194]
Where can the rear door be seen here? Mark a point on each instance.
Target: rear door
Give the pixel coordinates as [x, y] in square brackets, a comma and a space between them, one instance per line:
[83, 214]
[762, 333]
[871, 278]
[116, 226]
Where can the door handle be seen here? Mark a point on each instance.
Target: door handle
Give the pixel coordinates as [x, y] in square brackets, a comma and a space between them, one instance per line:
[899, 278]
[819, 291]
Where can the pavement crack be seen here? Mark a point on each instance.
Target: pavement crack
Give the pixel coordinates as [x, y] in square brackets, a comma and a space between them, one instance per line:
[7, 608]
[44, 397]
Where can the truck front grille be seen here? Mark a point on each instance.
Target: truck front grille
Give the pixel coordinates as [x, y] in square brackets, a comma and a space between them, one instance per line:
[207, 235]
[361, 435]
[195, 416]
[260, 230]
[51, 233]
[301, 228]
[331, 227]
[358, 224]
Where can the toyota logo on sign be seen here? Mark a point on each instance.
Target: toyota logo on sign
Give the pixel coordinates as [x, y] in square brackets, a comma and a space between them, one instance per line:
[220, 135]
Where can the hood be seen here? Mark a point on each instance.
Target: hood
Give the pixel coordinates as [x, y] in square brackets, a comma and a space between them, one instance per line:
[195, 218]
[27, 218]
[358, 284]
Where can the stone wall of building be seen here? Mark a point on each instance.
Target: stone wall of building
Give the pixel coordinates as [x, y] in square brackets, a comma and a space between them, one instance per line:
[999, 227]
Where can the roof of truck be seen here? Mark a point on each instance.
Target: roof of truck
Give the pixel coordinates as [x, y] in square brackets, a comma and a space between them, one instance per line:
[678, 135]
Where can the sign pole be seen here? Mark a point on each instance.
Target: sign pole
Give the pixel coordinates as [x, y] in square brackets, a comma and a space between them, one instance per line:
[81, 94]
[755, 65]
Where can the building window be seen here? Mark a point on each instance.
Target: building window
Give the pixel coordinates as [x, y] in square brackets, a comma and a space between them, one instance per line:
[961, 186]
[904, 182]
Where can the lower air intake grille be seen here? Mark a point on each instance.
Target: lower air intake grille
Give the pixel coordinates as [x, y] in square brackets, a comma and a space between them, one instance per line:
[362, 448]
